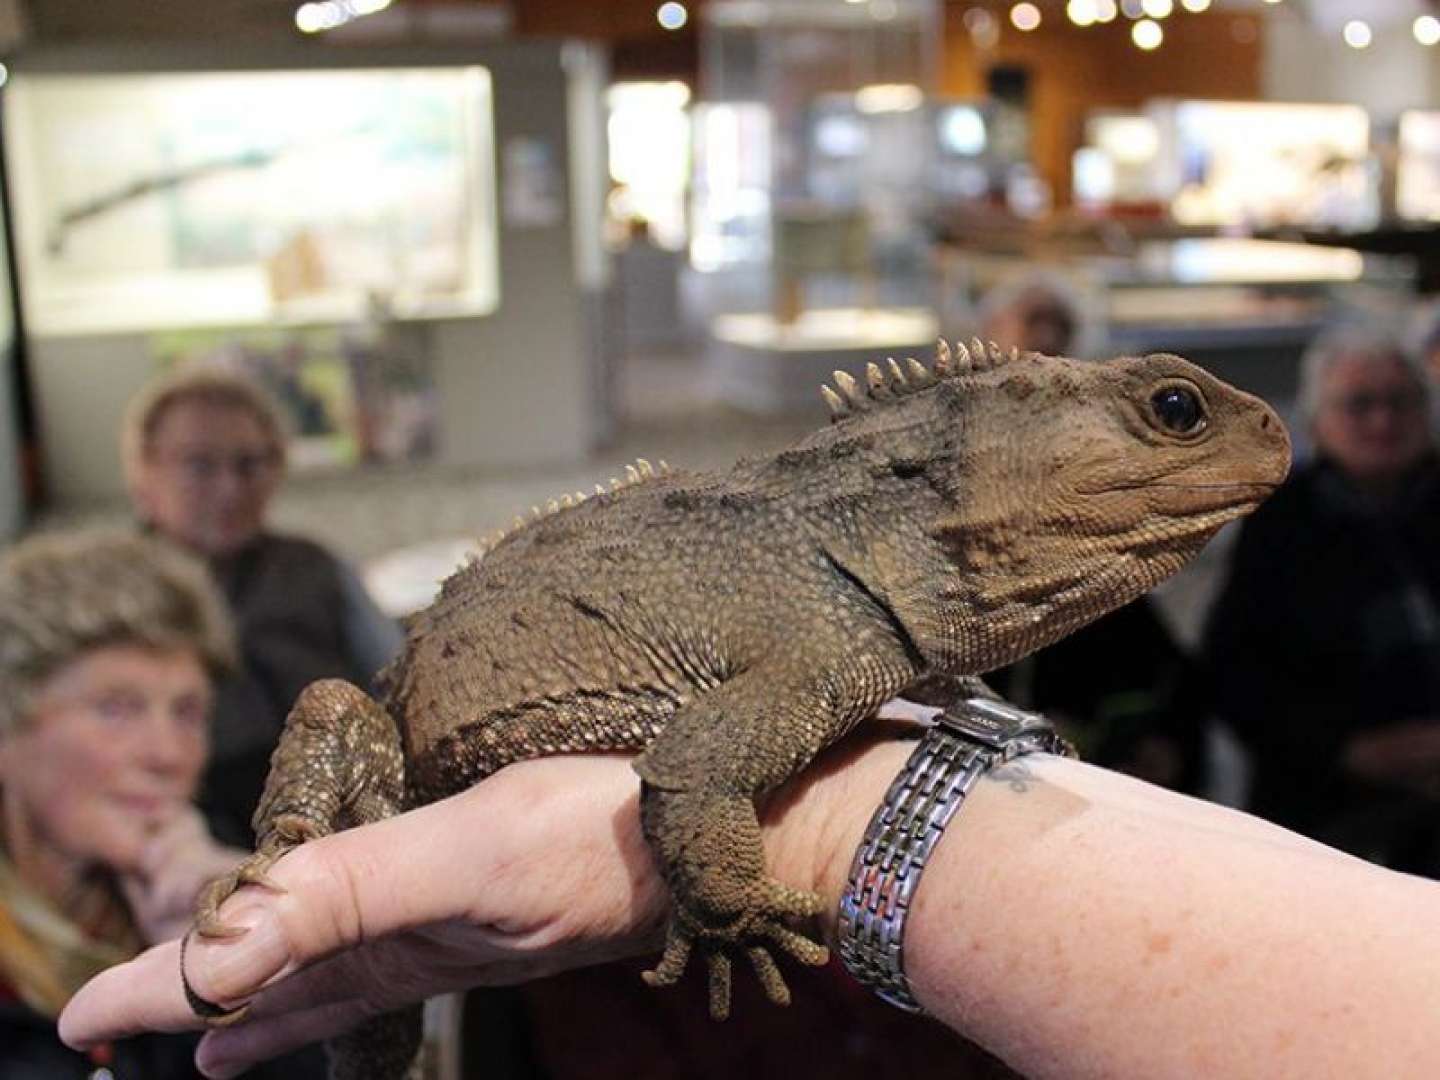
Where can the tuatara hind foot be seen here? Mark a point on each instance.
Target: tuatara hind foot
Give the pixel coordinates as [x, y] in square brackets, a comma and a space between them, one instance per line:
[755, 934]
[338, 764]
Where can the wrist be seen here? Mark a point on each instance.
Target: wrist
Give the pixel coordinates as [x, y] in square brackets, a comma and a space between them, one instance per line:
[813, 826]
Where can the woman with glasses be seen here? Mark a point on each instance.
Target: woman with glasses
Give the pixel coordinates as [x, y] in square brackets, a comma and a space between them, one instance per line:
[204, 452]
[1325, 643]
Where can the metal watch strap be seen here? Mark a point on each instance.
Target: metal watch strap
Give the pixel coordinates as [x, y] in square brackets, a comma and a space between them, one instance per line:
[966, 740]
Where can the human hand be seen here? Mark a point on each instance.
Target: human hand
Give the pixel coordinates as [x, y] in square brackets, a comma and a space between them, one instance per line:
[541, 868]
[176, 863]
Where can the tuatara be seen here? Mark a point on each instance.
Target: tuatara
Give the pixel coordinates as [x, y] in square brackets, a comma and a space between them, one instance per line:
[727, 627]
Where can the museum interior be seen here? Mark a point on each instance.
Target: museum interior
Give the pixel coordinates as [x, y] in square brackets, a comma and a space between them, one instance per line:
[483, 253]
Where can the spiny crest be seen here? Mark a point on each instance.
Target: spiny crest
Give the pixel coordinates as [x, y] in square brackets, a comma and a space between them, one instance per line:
[634, 474]
[894, 381]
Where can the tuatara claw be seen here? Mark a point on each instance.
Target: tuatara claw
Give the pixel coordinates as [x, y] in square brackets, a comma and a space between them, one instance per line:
[768, 972]
[253, 871]
[256, 875]
[719, 963]
[207, 916]
[673, 961]
[798, 945]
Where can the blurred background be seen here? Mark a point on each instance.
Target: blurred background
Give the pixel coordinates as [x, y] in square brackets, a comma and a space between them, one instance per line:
[487, 252]
[482, 253]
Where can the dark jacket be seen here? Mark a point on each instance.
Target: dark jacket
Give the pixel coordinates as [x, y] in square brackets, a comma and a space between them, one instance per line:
[30, 1049]
[300, 615]
[1114, 686]
[1328, 627]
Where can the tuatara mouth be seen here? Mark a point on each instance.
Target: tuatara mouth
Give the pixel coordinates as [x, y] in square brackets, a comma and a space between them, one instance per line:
[1200, 498]
[1190, 524]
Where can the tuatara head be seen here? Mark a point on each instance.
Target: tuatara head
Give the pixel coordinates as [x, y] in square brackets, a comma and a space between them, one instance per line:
[1080, 485]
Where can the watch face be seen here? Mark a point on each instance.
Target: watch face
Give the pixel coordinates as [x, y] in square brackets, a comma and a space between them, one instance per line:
[993, 723]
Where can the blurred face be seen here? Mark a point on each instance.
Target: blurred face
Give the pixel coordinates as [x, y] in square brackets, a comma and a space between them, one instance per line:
[1034, 322]
[111, 750]
[208, 476]
[1371, 418]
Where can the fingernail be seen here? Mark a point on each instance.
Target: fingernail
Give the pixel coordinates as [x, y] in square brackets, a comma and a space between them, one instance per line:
[222, 1070]
[239, 966]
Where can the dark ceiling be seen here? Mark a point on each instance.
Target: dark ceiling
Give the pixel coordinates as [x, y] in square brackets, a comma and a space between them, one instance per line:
[639, 45]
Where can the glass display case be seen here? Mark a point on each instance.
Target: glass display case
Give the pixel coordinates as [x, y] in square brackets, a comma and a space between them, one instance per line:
[158, 201]
[1117, 166]
[1250, 165]
[815, 146]
[1417, 182]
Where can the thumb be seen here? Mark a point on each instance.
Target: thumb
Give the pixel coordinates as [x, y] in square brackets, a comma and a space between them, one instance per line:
[339, 892]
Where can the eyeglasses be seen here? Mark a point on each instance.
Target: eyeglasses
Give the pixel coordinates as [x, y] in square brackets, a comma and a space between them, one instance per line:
[1363, 402]
[204, 467]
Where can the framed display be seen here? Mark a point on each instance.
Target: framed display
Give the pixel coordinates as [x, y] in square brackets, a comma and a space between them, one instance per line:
[228, 199]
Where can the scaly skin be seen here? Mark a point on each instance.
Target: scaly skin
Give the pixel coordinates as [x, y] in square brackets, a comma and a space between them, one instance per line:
[727, 627]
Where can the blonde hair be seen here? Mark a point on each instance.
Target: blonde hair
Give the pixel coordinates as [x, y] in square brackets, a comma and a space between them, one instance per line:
[212, 386]
[64, 594]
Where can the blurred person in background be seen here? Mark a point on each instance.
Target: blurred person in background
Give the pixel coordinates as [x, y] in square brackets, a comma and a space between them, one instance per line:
[1427, 340]
[1324, 643]
[107, 648]
[204, 452]
[1034, 310]
[1121, 688]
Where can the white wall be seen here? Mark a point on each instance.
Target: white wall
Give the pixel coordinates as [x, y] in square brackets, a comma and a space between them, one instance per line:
[1306, 62]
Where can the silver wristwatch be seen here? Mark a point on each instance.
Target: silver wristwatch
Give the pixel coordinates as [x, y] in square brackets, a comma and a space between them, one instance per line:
[967, 739]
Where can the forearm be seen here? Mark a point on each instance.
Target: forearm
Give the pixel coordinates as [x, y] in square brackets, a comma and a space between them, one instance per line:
[1079, 923]
[1075, 921]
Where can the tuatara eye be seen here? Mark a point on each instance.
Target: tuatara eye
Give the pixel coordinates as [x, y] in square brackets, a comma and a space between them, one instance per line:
[1178, 410]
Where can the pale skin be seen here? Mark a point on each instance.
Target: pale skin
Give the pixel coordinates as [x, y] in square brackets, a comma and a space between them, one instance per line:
[1075, 921]
[207, 476]
[96, 782]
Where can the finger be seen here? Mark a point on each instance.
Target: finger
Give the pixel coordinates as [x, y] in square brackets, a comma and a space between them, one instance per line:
[341, 890]
[143, 994]
[230, 1051]
[424, 867]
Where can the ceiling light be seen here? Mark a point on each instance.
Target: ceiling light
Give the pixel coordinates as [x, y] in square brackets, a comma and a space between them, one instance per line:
[672, 16]
[1426, 29]
[1357, 34]
[313, 18]
[1106, 10]
[1195, 5]
[1132, 9]
[889, 98]
[1157, 9]
[1147, 34]
[1025, 16]
[1081, 12]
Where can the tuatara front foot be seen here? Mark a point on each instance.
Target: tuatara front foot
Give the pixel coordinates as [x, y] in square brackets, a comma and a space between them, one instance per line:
[755, 933]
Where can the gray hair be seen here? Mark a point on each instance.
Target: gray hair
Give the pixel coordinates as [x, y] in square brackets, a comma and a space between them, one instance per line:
[1349, 342]
[65, 594]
